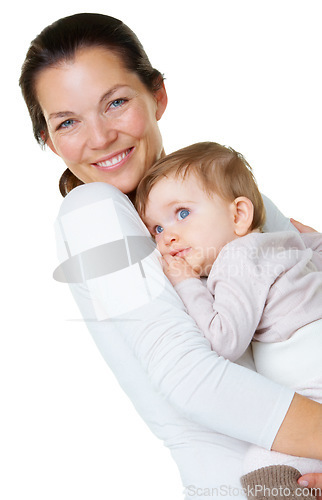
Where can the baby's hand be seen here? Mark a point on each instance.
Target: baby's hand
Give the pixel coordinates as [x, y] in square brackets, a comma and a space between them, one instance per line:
[177, 269]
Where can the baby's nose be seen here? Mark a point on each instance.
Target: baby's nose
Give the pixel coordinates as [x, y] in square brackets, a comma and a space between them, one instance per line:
[170, 236]
[166, 239]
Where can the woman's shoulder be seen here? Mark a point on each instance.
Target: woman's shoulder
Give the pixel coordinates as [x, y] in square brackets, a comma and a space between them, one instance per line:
[275, 219]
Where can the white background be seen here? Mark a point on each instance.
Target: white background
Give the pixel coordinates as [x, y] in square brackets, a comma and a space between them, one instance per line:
[246, 73]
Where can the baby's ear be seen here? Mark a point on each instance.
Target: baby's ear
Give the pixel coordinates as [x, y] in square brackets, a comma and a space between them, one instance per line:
[243, 215]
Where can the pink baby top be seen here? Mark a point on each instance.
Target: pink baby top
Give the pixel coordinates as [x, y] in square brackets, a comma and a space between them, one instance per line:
[263, 286]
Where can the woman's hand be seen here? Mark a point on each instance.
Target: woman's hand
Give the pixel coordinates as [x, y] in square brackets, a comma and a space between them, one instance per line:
[301, 227]
[177, 269]
[312, 481]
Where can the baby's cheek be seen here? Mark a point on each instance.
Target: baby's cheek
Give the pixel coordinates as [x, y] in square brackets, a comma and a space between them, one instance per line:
[160, 248]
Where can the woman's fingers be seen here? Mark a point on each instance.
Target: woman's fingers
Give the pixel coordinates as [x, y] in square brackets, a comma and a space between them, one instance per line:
[301, 227]
[312, 481]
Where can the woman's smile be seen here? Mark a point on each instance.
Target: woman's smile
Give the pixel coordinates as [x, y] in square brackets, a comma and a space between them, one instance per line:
[114, 161]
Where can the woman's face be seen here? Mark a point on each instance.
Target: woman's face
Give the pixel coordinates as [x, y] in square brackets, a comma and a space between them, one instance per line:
[102, 120]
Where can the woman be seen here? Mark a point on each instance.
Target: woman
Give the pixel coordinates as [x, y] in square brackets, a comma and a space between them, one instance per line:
[95, 100]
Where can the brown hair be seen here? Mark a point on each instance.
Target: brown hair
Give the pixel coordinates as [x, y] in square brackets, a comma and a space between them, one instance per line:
[59, 42]
[221, 170]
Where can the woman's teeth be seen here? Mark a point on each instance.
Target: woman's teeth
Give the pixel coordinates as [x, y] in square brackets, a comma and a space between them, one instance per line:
[114, 160]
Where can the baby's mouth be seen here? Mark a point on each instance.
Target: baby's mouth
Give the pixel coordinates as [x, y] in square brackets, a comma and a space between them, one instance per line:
[180, 253]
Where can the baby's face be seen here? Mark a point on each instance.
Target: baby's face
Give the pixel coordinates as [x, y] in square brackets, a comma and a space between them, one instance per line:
[187, 223]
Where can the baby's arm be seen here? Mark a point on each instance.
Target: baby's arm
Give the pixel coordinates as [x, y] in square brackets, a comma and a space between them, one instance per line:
[226, 320]
[229, 309]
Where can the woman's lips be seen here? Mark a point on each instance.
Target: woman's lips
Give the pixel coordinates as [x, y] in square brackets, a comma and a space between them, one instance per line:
[113, 162]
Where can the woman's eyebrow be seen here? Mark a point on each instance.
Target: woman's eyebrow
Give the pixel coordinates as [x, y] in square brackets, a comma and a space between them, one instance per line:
[106, 96]
[110, 92]
[60, 114]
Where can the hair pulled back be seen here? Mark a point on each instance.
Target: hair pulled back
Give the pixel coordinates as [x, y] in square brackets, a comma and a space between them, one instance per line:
[59, 42]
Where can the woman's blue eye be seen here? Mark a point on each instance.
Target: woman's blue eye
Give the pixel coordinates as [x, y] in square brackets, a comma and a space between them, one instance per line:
[182, 214]
[117, 103]
[158, 229]
[67, 123]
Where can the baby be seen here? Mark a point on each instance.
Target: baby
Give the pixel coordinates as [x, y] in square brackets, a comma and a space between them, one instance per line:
[203, 207]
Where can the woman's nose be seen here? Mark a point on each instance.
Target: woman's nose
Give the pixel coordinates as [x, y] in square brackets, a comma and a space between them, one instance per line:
[100, 134]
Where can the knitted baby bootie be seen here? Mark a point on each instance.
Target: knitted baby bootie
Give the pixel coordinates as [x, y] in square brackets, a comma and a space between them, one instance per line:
[276, 482]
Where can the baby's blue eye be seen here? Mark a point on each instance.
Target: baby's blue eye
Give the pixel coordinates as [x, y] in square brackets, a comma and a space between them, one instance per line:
[158, 229]
[182, 214]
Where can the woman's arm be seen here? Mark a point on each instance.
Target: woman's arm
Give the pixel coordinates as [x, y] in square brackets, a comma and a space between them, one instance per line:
[96, 227]
[301, 430]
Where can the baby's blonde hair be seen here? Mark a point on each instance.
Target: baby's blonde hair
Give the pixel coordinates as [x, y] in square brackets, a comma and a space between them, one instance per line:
[221, 170]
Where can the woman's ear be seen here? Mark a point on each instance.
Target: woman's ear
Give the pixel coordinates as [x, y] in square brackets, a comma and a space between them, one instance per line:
[161, 100]
[243, 215]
